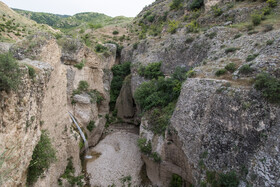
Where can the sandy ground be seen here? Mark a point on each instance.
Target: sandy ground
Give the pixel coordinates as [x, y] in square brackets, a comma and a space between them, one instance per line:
[120, 157]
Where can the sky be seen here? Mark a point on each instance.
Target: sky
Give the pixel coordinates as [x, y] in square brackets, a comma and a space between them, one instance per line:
[128, 8]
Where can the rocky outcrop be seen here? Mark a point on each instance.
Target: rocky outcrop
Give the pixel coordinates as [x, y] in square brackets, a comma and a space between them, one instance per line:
[125, 103]
[20, 123]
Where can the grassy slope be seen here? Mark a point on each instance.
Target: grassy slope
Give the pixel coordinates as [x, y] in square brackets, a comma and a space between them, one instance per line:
[14, 26]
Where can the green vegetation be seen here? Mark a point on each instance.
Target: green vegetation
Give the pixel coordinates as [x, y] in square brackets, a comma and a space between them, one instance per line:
[269, 42]
[251, 57]
[176, 181]
[119, 73]
[43, 155]
[269, 86]
[272, 3]
[212, 35]
[158, 97]
[151, 71]
[173, 26]
[176, 4]
[189, 40]
[31, 71]
[231, 50]
[91, 125]
[231, 67]
[10, 74]
[157, 93]
[65, 22]
[245, 69]
[100, 48]
[69, 175]
[125, 180]
[220, 72]
[156, 157]
[80, 65]
[115, 32]
[237, 36]
[95, 95]
[228, 179]
[216, 10]
[256, 18]
[196, 4]
[83, 86]
[145, 147]
[192, 26]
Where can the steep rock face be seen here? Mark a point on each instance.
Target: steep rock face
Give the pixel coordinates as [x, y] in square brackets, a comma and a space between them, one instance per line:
[20, 119]
[172, 51]
[234, 126]
[43, 104]
[98, 75]
[125, 104]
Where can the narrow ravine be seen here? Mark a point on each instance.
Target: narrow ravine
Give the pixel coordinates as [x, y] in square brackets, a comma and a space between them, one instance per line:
[117, 159]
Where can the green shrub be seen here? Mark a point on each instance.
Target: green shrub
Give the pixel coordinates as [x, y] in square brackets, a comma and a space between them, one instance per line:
[176, 4]
[157, 93]
[100, 48]
[251, 57]
[95, 26]
[212, 35]
[228, 179]
[43, 155]
[69, 175]
[189, 40]
[231, 67]
[151, 71]
[69, 45]
[145, 147]
[91, 125]
[176, 181]
[10, 74]
[159, 118]
[115, 32]
[191, 73]
[31, 71]
[135, 45]
[237, 36]
[231, 50]
[83, 86]
[156, 157]
[119, 73]
[96, 96]
[256, 18]
[266, 11]
[180, 74]
[151, 18]
[269, 86]
[173, 26]
[220, 72]
[272, 3]
[269, 42]
[216, 10]
[245, 69]
[80, 65]
[267, 28]
[192, 26]
[196, 4]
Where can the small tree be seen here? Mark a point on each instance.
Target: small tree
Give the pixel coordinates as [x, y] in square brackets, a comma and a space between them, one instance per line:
[9, 72]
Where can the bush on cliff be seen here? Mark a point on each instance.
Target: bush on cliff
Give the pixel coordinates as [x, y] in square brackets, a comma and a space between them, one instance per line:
[151, 71]
[9, 73]
[269, 86]
[42, 157]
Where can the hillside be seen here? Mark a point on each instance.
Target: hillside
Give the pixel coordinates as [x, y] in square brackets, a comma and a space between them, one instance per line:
[66, 22]
[14, 26]
[187, 94]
